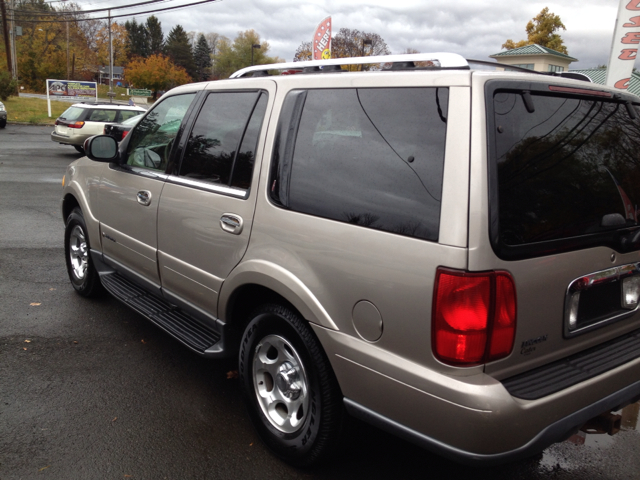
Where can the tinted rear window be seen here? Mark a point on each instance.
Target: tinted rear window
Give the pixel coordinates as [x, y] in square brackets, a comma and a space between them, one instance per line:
[370, 157]
[569, 169]
[72, 113]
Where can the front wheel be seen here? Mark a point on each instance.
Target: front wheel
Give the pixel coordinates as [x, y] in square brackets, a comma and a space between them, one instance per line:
[82, 273]
[3, 123]
[291, 392]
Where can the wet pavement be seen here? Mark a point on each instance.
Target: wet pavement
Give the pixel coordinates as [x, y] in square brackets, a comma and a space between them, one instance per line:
[90, 390]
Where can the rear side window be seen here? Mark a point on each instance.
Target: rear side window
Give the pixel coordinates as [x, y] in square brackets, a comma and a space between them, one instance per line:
[102, 115]
[567, 172]
[371, 157]
[222, 145]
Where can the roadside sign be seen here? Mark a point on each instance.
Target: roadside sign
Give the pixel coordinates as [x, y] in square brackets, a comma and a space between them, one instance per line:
[139, 92]
[70, 89]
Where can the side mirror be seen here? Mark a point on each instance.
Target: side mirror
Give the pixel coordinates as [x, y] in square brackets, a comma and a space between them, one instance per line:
[101, 148]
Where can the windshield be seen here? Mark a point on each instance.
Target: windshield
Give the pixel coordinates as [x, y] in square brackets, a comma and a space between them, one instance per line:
[569, 168]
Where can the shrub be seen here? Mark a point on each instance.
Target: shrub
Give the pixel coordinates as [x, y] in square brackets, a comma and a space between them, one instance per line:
[8, 86]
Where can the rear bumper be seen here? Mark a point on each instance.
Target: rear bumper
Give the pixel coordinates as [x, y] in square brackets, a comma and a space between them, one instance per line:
[472, 419]
[556, 432]
[72, 140]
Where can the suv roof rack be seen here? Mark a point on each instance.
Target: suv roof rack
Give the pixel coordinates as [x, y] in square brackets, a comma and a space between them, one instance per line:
[439, 60]
[572, 75]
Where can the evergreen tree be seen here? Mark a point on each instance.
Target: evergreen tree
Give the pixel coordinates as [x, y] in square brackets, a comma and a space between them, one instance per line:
[202, 58]
[138, 40]
[177, 48]
[156, 37]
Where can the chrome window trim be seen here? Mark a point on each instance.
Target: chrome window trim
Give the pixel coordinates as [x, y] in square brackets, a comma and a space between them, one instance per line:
[209, 187]
[600, 277]
[141, 171]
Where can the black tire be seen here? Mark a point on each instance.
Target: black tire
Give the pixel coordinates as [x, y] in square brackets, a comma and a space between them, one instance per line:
[79, 149]
[3, 123]
[82, 273]
[276, 337]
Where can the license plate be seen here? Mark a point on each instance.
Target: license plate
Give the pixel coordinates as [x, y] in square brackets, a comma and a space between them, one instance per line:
[62, 130]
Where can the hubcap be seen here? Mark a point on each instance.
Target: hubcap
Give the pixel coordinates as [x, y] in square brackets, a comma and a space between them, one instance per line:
[281, 383]
[78, 252]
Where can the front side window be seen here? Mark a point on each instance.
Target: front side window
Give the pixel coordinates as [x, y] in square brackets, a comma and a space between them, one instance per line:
[569, 169]
[367, 156]
[222, 145]
[152, 138]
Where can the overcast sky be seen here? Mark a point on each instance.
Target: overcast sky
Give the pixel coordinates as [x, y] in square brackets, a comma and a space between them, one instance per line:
[472, 28]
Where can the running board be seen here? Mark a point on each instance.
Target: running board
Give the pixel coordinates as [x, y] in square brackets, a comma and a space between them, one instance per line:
[171, 319]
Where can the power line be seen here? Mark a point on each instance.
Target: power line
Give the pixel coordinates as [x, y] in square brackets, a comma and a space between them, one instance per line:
[23, 13]
[53, 20]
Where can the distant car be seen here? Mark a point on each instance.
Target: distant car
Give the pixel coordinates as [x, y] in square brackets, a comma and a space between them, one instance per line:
[120, 130]
[3, 115]
[82, 120]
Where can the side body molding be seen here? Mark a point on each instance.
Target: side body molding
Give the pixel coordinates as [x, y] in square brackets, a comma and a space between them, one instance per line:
[281, 281]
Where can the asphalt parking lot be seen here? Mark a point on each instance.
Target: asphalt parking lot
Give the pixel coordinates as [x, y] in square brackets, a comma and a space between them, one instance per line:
[91, 390]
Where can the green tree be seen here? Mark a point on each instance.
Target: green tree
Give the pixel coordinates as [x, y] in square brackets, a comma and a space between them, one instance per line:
[8, 86]
[156, 37]
[213, 40]
[202, 58]
[156, 73]
[178, 48]
[237, 55]
[137, 39]
[541, 30]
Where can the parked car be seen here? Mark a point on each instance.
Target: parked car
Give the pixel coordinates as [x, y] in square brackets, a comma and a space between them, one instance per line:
[83, 120]
[120, 130]
[448, 253]
[3, 115]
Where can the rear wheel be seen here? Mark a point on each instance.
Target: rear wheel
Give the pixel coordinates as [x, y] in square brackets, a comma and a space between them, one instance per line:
[291, 392]
[79, 149]
[82, 273]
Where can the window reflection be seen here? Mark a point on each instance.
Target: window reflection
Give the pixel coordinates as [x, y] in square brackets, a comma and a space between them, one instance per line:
[221, 147]
[370, 157]
[562, 168]
[152, 139]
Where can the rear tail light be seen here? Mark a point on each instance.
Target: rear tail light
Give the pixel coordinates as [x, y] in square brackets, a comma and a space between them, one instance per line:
[474, 316]
[124, 134]
[76, 125]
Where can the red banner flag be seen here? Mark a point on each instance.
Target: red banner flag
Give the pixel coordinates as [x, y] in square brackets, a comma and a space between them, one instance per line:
[322, 40]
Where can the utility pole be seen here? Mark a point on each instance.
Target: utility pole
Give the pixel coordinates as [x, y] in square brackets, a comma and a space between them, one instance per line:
[5, 32]
[67, 24]
[111, 94]
[12, 37]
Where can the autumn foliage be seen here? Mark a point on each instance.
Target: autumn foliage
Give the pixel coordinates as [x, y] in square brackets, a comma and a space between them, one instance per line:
[156, 73]
[541, 30]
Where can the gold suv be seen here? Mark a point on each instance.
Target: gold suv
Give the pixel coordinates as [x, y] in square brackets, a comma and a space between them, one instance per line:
[448, 253]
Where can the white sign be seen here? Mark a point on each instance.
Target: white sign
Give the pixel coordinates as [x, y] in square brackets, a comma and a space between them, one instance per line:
[624, 47]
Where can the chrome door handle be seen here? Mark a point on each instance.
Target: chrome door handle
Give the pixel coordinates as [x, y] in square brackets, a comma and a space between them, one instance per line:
[144, 197]
[232, 223]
